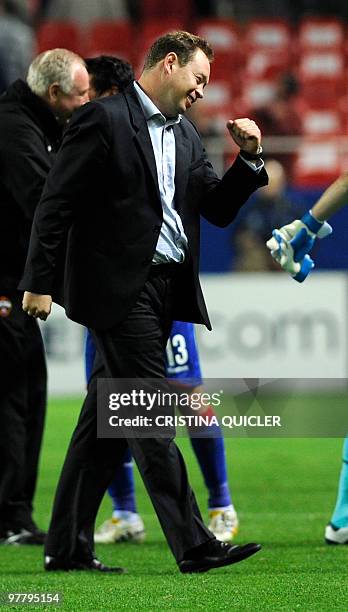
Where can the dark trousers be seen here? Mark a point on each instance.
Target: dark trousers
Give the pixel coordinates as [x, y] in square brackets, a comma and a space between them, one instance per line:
[22, 412]
[134, 349]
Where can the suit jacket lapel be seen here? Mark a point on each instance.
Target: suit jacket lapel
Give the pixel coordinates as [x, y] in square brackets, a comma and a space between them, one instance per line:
[141, 134]
[182, 164]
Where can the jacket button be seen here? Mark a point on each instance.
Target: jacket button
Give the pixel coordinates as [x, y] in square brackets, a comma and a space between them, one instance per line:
[147, 261]
[157, 229]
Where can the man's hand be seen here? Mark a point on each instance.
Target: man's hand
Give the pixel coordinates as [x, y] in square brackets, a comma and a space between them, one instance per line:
[245, 134]
[36, 305]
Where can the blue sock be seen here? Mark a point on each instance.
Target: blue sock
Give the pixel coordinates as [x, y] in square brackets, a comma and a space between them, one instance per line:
[210, 453]
[340, 515]
[122, 490]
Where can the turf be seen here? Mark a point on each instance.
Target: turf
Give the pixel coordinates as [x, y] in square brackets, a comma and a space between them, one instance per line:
[284, 490]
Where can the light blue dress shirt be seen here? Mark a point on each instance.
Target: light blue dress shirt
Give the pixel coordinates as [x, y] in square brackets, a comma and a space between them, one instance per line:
[172, 242]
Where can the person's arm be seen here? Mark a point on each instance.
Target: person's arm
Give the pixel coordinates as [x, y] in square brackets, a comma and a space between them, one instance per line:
[79, 161]
[222, 199]
[332, 200]
[291, 243]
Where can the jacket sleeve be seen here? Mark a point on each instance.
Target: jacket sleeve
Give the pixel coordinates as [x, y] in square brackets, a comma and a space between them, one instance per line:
[223, 198]
[25, 165]
[84, 150]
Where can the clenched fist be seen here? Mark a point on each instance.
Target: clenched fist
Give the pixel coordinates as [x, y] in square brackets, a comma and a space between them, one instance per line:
[245, 134]
[36, 305]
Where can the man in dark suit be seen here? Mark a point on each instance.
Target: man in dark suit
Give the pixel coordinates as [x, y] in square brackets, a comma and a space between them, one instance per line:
[129, 185]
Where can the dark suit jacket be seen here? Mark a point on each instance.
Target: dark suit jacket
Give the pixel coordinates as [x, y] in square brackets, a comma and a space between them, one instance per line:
[103, 189]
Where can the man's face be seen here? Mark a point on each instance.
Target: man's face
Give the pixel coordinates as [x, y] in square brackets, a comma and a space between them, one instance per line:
[185, 84]
[64, 104]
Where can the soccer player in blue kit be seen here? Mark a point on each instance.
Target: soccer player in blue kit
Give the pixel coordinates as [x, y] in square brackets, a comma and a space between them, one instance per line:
[183, 369]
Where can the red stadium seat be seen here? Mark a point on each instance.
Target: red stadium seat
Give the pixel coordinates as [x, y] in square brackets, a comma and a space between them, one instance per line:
[318, 163]
[222, 34]
[257, 94]
[59, 34]
[219, 93]
[320, 122]
[322, 77]
[273, 35]
[110, 38]
[328, 65]
[262, 64]
[321, 34]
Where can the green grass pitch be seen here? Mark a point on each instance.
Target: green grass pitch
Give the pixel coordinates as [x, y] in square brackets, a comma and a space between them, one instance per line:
[284, 491]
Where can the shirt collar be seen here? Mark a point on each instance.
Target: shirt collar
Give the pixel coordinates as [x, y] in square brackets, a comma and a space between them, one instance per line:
[150, 109]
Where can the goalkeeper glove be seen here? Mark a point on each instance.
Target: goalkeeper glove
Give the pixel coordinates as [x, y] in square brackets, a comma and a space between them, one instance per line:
[302, 234]
[284, 255]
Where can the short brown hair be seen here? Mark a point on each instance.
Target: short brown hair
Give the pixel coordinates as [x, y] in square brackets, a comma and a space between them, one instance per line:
[182, 43]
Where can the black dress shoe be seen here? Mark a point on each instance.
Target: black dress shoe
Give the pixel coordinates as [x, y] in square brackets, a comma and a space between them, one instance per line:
[95, 564]
[215, 554]
[52, 564]
[24, 536]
